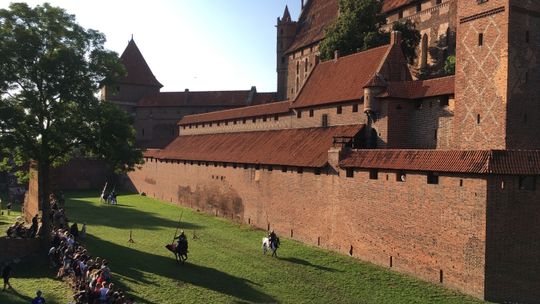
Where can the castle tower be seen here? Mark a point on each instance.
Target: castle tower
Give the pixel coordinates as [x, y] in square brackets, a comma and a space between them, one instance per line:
[138, 81]
[497, 75]
[286, 30]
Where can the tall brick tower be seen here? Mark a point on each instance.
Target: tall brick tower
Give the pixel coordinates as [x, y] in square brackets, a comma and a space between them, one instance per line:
[497, 75]
[286, 30]
[138, 82]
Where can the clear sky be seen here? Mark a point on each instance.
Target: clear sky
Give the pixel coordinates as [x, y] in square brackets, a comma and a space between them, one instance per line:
[195, 44]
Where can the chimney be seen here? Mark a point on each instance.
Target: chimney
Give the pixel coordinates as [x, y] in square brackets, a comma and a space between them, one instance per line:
[395, 38]
[302, 4]
[336, 55]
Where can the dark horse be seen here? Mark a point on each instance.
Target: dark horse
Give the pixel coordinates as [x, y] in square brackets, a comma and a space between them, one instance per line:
[180, 250]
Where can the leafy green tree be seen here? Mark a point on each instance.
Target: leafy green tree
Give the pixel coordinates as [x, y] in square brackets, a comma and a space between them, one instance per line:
[50, 72]
[450, 65]
[358, 28]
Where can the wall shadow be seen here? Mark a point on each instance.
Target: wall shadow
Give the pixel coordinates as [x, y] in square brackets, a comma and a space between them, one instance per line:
[133, 265]
[118, 216]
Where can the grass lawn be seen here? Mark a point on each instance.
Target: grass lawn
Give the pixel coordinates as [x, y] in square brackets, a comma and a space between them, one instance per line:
[225, 264]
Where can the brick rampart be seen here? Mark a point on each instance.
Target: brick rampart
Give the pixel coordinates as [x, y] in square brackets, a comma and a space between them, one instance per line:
[435, 232]
[17, 248]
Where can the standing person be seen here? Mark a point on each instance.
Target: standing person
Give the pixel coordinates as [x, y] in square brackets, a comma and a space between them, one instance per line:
[34, 227]
[74, 230]
[6, 275]
[38, 299]
[8, 208]
[82, 235]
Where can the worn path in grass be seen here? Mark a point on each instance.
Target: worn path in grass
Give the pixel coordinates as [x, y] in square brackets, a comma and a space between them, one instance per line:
[226, 264]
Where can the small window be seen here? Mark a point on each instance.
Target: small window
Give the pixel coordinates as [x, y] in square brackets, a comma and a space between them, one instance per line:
[374, 174]
[215, 165]
[527, 183]
[234, 165]
[235, 122]
[478, 119]
[339, 110]
[246, 166]
[435, 135]
[401, 177]
[270, 168]
[400, 14]
[257, 167]
[350, 172]
[324, 121]
[284, 169]
[276, 117]
[317, 171]
[244, 121]
[226, 123]
[480, 39]
[300, 170]
[306, 64]
[254, 120]
[432, 178]
[419, 7]
[355, 108]
[299, 114]
[224, 165]
[264, 118]
[311, 113]
[218, 124]
[461, 183]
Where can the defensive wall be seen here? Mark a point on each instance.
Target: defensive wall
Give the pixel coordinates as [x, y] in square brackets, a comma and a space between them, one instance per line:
[436, 232]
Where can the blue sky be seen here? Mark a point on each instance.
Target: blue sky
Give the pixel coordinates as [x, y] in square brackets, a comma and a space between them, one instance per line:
[195, 44]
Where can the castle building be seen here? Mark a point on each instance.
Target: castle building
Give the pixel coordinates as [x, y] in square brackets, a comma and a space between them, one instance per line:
[156, 113]
[436, 178]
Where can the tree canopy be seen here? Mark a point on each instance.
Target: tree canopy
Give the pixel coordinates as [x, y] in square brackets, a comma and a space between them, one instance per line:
[359, 27]
[51, 70]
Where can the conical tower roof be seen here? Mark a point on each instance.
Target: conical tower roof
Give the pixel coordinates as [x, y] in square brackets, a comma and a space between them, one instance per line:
[138, 71]
[286, 15]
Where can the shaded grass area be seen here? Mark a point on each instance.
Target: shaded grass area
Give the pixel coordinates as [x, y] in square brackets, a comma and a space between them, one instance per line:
[31, 275]
[226, 264]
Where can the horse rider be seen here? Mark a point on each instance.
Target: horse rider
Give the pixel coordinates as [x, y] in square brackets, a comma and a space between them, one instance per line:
[273, 238]
[182, 244]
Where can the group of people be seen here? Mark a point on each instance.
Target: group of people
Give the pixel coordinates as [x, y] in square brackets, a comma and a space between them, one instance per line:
[108, 198]
[20, 230]
[90, 277]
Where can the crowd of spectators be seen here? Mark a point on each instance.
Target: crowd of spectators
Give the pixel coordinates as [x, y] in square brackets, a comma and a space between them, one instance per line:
[89, 277]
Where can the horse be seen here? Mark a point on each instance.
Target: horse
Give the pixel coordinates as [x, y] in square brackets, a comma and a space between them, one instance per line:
[180, 252]
[268, 245]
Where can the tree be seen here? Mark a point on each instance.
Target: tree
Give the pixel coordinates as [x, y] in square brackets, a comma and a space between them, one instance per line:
[359, 27]
[50, 72]
[450, 65]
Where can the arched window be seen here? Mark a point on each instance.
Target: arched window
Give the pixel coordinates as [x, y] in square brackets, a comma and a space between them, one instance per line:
[424, 50]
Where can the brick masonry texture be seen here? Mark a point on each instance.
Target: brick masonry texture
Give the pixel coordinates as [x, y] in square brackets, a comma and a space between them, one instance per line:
[424, 228]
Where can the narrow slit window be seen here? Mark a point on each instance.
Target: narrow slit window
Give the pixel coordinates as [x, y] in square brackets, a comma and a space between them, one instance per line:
[339, 109]
[299, 114]
[478, 119]
[480, 39]
[311, 113]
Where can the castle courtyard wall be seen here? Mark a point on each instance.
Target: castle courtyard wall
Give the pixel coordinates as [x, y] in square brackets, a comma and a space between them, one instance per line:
[432, 231]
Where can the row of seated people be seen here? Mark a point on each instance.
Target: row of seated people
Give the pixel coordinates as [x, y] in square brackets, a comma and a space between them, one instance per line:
[89, 277]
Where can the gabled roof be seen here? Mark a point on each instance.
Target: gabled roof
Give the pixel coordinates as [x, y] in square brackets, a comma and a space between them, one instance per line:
[316, 16]
[341, 80]
[196, 99]
[292, 147]
[138, 71]
[420, 88]
[252, 111]
[478, 162]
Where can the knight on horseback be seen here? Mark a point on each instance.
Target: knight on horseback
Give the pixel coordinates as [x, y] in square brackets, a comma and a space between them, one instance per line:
[271, 243]
[182, 246]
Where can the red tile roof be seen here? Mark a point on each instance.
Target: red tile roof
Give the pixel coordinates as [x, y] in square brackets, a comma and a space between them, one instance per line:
[390, 5]
[291, 147]
[195, 99]
[342, 80]
[252, 111]
[420, 88]
[315, 17]
[138, 71]
[478, 162]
